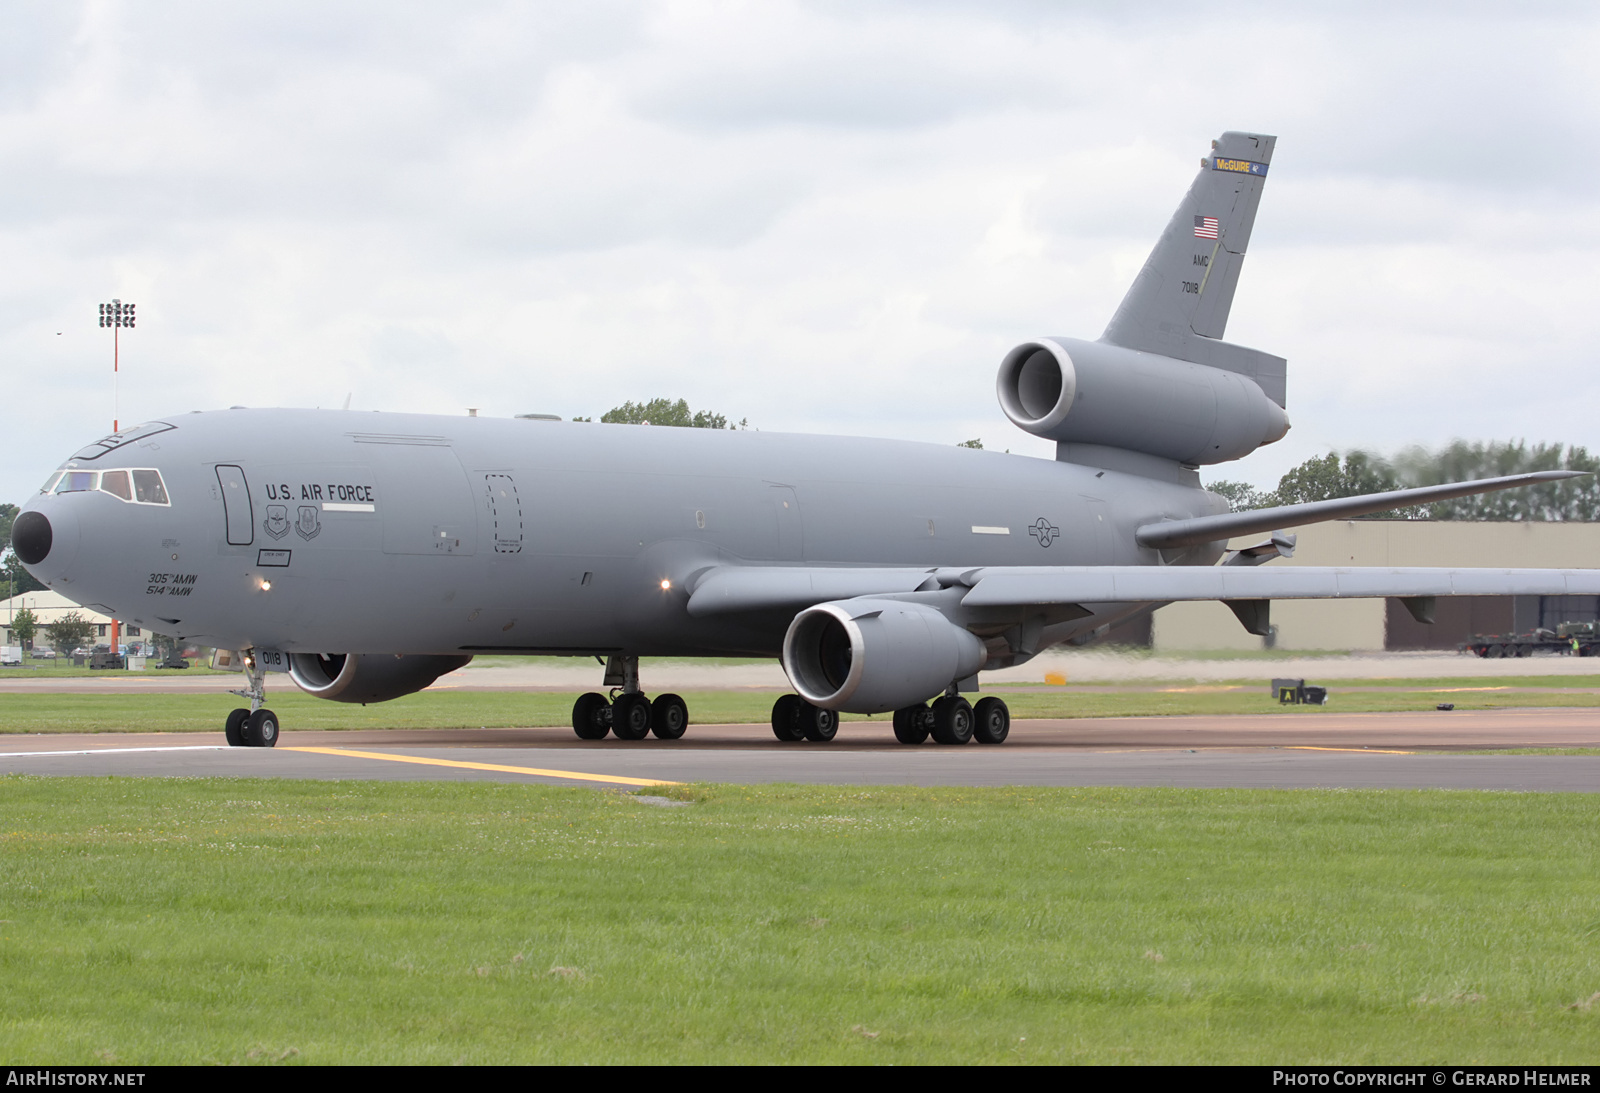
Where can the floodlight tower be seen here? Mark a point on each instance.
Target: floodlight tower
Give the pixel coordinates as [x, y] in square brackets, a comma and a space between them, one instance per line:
[116, 315]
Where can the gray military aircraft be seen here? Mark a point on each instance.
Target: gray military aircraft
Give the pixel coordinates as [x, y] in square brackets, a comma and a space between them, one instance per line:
[367, 554]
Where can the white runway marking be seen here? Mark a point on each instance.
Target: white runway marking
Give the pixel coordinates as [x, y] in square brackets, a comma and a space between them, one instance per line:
[114, 751]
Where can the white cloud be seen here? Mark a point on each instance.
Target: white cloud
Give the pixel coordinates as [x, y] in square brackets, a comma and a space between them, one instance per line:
[821, 217]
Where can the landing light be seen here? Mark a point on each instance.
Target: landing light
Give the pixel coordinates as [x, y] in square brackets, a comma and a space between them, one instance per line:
[266, 586]
[666, 585]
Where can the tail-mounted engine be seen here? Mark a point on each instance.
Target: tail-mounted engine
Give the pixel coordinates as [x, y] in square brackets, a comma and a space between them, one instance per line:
[367, 677]
[1080, 392]
[868, 656]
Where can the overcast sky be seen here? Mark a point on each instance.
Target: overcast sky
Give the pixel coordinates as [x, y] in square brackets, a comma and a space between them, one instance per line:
[827, 217]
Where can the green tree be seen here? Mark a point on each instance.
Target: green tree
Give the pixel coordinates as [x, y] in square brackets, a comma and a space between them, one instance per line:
[1461, 461]
[24, 625]
[69, 632]
[1323, 477]
[8, 516]
[1240, 495]
[973, 443]
[14, 580]
[660, 411]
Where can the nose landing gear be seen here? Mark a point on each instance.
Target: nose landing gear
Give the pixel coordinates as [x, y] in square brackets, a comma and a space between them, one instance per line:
[256, 727]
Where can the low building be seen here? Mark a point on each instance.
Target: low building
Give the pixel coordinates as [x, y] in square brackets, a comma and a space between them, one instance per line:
[1386, 624]
[48, 607]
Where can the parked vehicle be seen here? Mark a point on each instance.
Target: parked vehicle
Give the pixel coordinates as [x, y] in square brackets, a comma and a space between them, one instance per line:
[1580, 639]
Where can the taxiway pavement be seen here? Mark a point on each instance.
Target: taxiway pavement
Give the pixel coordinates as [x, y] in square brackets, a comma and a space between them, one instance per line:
[1377, 750]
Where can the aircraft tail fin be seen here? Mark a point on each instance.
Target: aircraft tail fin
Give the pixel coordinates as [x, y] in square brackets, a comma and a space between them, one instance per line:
[1178, 305]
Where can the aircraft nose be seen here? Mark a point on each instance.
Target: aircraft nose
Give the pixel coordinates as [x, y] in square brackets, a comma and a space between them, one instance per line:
[46, 544]
[31, 535]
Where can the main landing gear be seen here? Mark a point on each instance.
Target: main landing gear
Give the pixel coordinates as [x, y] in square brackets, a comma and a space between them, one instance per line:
[793, 718]
[256, 727]
[951, 719]
[630, 715]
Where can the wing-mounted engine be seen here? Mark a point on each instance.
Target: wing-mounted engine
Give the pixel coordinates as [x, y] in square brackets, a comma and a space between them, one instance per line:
[367, 677]
[868, 656]
[1079, 392]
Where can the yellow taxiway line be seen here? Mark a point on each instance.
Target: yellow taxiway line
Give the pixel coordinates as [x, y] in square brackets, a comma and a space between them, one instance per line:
[1366, 751]
[613, 779]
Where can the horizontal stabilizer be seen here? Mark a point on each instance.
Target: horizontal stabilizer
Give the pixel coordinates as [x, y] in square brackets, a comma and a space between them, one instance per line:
[1172, 534]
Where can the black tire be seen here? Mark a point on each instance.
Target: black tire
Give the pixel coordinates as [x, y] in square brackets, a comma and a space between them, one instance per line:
[786, 718]
[911, 724]
[991, 721]
[233, 728]
[952, 720]
[630, 717]
[591, 716]
[1496, 652]
[819, 725]
[669, 717]
[1524, 650]
[261, 730]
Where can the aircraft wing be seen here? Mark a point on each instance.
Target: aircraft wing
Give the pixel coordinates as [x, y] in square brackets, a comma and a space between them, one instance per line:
[996, 587]
[725, 589]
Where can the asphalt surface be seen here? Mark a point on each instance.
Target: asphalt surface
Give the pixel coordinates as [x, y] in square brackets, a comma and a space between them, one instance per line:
[1393, 750]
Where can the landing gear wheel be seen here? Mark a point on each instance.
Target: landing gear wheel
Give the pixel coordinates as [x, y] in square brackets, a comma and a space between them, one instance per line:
[786, 718]
[952, 720]
[991, 721]
[911, 724]
[261, 729]
[591, 716]
[233, 728]
[630, 716]
[669, 717]
[819, 725]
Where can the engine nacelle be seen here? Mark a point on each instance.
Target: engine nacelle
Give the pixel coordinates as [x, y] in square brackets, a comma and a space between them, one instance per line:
[1094, 393]
[868, 656]
[367, 677]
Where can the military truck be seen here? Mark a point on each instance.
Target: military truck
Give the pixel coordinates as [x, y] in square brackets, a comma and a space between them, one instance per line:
[1567, 639]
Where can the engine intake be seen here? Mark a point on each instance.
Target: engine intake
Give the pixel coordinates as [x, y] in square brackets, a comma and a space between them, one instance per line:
[868, 656]
[1068, 390]
[367, 677]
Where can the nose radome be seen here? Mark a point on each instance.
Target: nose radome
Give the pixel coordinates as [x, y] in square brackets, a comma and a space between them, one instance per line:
[31, 536]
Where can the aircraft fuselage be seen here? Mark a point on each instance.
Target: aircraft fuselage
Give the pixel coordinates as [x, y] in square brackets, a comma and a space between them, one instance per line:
[329, 531]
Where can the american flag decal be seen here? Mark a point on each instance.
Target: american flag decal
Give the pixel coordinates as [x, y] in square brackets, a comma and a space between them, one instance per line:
[1205, 227]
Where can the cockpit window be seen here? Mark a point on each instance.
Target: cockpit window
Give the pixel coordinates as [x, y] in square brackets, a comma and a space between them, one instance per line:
[127, 436]
[116, 484]
[50, 483]
[78, 482]
[148, 488]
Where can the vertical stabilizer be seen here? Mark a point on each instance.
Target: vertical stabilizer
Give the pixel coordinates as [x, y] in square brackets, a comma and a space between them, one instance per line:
[1179, 303]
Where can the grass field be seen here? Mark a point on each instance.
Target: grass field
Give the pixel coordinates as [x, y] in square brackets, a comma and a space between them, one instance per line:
[37, 713]
[186, 921]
